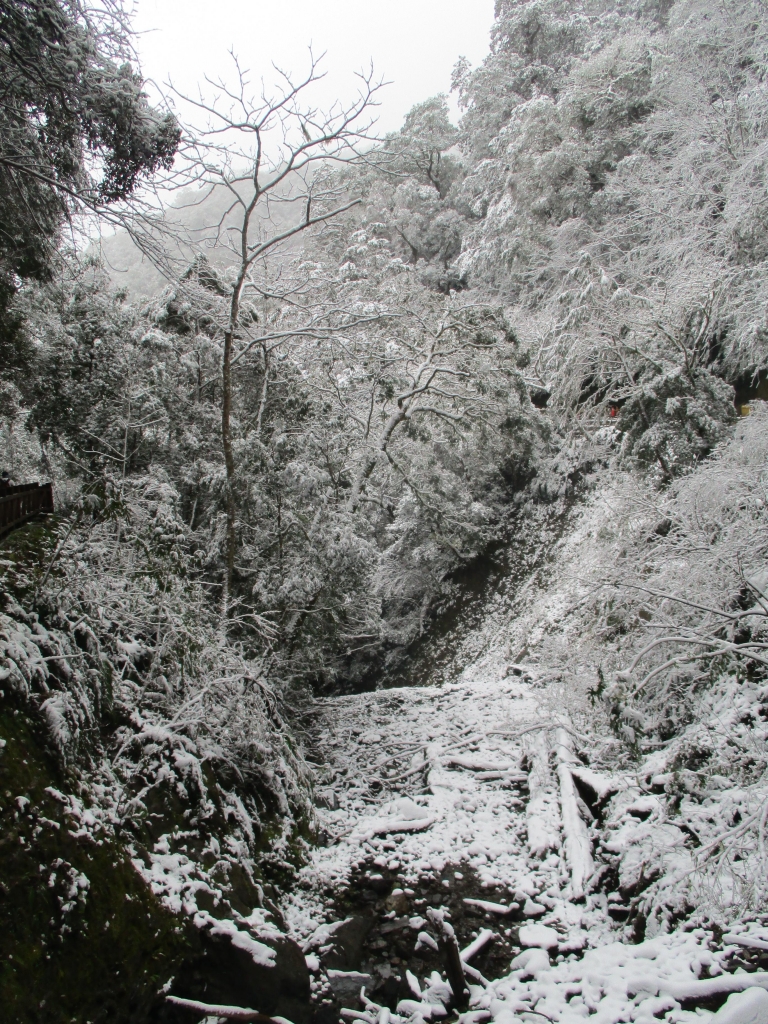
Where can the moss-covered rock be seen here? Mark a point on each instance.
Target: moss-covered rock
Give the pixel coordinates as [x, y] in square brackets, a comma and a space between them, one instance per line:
[150, 797]
[82, 938]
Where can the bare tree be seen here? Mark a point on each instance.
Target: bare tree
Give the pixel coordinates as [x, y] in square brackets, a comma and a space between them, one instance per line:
[434, 363]
[271, 152]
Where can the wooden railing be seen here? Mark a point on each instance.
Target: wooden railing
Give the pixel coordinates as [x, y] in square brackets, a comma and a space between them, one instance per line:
[20, 502]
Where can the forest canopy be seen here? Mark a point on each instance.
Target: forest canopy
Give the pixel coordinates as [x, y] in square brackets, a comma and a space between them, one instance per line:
[343, 390]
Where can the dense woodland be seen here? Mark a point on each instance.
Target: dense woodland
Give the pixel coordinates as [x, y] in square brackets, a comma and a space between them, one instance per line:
[368, 363]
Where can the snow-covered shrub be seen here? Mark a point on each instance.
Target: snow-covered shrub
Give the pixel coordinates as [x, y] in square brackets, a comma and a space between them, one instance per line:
[684, 622]
[674, 419]
[692, 579]
[124, 661]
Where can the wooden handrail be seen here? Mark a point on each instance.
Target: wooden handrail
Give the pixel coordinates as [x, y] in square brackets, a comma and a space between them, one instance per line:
[20, 502]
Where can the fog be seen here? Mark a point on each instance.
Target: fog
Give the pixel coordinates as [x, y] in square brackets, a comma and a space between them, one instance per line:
[413, 44]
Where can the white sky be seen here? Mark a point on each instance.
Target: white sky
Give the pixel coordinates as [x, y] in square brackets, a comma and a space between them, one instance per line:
[413, 43]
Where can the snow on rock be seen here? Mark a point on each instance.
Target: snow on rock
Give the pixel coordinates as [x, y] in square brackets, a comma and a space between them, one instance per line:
[401, 815]
[532, 909]
[446, 815]
[259, 953]
[323, 933]
[749, 1007]
[346, 985]
[531, 961]
[259, 923]
[538, 935]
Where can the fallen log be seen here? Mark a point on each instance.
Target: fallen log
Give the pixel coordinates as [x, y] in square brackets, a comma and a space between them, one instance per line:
[478, 764]
[383, 826]
[471, 972]
[578, 849]
[599, 784]
[508, 776]
[704, 988]
[747, 941]
[489, 907]
[540, 838]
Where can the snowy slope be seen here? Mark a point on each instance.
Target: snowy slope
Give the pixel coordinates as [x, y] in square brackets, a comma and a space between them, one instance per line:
[507, 787]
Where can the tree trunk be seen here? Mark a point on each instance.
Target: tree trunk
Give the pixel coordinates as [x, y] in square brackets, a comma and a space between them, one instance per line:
[449, 950]
[370, 463]
[229, 461]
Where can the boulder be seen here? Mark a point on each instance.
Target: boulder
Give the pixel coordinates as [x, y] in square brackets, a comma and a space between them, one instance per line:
[538, 935]
[226, 975]
[346, 986]
[346, 953]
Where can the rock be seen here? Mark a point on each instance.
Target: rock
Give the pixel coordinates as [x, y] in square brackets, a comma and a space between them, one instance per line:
[748, 1007]
[225, 975]
[530, 962]
[346, 953]
[378, 883]
[397, 901]
[538, 935]
[406, 809]
[327, 798]
[575, 942]
[324, 1013]
[531, 909]
[391, 989]
[346, 986]
[395, 925]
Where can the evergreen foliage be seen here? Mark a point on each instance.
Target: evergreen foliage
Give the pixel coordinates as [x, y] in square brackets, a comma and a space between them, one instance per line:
[75, 125]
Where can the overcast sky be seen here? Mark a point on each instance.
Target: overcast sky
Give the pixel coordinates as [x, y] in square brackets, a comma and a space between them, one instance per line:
[413, 43]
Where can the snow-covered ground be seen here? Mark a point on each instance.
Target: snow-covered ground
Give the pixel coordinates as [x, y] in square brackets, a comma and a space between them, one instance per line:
[487, 776]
